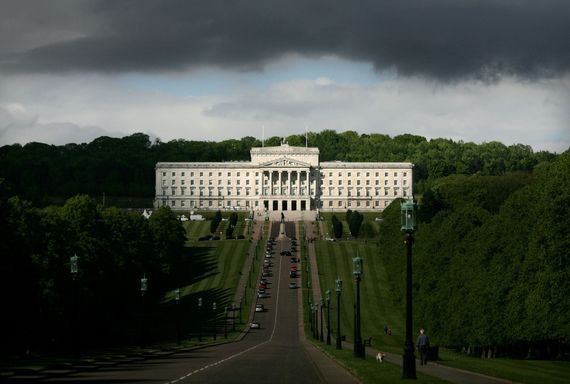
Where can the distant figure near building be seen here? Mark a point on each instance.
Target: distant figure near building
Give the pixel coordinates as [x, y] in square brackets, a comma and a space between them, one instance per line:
[282, 217]
[423, 347]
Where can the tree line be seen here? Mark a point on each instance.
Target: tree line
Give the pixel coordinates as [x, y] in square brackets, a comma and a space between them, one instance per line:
[44, 304]
[491, 262]
[124, 167]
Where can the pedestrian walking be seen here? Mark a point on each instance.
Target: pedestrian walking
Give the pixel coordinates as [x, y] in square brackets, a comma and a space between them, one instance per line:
[423, 346]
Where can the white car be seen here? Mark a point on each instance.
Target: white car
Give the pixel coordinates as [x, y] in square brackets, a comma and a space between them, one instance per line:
[259, 308]
[255, 325]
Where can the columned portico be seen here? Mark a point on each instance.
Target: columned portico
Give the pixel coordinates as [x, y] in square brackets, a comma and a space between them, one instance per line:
[288, 188]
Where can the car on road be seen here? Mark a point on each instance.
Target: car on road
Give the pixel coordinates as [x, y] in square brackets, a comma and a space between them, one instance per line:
[259, 308]
[292, 285]
[255, 325]
[262, 295]
[293, 274]
[262, 286]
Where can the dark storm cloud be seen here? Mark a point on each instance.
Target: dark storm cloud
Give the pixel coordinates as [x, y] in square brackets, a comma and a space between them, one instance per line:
[443, 39]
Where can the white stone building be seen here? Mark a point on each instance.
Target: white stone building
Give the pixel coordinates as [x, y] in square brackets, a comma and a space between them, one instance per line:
[282, 178]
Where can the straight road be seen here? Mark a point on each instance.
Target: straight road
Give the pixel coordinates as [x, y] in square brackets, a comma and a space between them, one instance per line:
[274, 353]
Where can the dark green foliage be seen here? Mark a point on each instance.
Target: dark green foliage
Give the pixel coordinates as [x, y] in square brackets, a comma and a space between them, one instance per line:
[347, 215]
[491, 266]
[355, 223]
[115, 248]
[233, 219]
[125, 167]
[215, 222]
[337, 227]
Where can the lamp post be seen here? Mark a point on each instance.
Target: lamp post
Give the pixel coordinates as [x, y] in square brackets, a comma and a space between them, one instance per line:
[328, 297]
[408, 224]
[240, 300]
[226, 322]
[143, 289]
[177, 298]
[200, 320]
[233, 317]
[321, 305]
[316, 314]
[358, 345]
[214, 310]
[75, 329]
[338, 292]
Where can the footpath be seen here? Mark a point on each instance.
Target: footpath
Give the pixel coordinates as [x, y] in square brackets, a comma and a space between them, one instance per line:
[453, 375]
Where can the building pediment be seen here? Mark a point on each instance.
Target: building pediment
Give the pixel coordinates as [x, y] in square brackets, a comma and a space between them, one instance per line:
[284, 162]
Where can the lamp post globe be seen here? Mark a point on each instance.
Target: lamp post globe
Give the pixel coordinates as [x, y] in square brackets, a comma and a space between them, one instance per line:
[408, 226]
[338, 289]
[358, 345]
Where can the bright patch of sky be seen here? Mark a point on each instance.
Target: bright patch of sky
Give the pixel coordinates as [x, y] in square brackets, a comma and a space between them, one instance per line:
[204, 81]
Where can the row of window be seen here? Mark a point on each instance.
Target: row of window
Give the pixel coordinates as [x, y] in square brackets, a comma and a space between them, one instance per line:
[238, 174]
[230, 204]
[358, 174]
[229, 191]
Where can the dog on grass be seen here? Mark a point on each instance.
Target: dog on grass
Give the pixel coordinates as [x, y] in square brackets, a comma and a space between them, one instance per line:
[380, 357]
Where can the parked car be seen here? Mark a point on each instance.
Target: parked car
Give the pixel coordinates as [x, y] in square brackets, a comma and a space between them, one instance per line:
[255, 325]
[259, 308]
[292, 285]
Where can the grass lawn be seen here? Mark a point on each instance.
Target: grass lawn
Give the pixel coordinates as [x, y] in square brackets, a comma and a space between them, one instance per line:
[368, 370]
[522, 371]
[335, 259]
[217, 266]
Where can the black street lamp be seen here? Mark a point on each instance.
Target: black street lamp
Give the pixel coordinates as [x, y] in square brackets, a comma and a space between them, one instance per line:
[311, 317]
[200, 322]
[144, 288]
[328, 297]
[338, 292]
[226, 322]
[75, 328]
[214, 310]
[358, 345]
[316, 314]
[240, 300]
[233, 317]
[408, 224]
[177, 298]
[321, 305]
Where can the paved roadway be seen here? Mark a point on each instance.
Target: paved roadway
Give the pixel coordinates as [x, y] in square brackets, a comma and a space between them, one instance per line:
[274, 354]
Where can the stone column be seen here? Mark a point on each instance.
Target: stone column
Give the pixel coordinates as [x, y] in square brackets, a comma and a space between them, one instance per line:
[309, 182]
[289, 183]
[299, 184]
[271, 182]
[280, 181]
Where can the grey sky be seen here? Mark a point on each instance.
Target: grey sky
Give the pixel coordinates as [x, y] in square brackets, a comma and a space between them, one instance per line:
[472, 70]
[444, 39]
